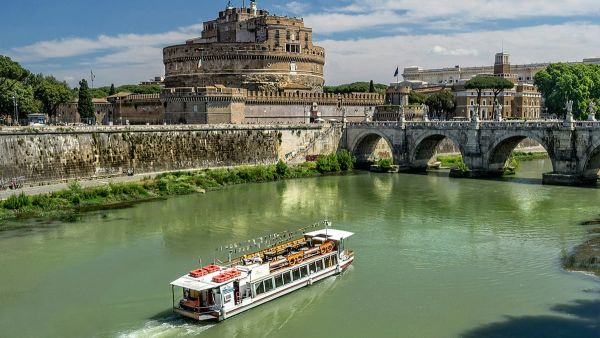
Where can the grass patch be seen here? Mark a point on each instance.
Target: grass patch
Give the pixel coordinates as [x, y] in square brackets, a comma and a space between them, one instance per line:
[450, 161]
[68, 203]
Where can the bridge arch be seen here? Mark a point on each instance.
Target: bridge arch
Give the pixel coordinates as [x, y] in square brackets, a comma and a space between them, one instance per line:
[365, 147]
[500, 150]
[426, 145]
[592, 162]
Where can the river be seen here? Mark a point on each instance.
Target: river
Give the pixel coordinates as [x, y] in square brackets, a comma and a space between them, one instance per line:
[435, 257]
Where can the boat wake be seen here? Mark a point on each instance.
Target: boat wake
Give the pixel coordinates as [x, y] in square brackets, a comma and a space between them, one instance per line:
[170, 327]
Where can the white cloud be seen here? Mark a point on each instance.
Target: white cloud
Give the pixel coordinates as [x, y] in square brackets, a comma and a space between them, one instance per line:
[75, 46]
[361, 15]
[377, 58]
[296, 7]
[453, 52]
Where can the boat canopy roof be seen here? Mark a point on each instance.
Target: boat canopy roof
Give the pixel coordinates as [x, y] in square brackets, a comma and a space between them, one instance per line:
[332, 234]
[196, 284]
[201, 283]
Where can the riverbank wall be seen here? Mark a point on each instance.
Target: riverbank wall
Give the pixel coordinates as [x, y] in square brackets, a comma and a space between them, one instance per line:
[53, 154]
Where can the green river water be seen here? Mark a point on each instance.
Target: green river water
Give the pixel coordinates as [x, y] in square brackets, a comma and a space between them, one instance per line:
[435, 257]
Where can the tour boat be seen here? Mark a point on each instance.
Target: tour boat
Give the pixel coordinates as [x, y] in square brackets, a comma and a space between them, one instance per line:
[219, 291]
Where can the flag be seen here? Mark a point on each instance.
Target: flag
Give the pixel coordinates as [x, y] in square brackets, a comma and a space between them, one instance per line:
[397, 71]
[93, 77]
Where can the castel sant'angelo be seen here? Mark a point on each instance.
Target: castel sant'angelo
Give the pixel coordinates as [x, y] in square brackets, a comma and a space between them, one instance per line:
[253, 67]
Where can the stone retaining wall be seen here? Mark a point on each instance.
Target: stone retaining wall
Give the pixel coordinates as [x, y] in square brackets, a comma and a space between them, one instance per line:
[52, 154]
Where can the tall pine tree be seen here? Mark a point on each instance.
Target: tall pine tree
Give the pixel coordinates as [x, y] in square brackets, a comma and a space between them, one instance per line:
[371, 87]
[112, 90]
[85, 106]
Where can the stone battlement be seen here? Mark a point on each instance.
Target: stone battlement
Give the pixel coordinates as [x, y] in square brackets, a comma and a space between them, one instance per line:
[325, 99]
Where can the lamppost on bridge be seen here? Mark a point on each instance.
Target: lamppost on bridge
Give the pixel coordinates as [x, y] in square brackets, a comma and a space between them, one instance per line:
[16, 106]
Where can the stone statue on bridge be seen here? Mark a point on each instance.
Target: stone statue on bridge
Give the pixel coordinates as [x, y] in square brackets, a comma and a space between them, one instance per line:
[475, 114]
[592, 112]
[498, 111]
[425, 112]
[569, 107]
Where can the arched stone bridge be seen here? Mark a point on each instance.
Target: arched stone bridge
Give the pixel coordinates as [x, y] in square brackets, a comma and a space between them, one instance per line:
[573, 147]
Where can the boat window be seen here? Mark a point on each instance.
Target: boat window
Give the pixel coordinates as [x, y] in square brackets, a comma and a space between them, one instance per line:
[259, 288]
[268, 284]
[334, 260]
[304, 271]
[278, 281]
[319, 265]
[287, 278]
[296, 274]
[312, 268]
[327, 262]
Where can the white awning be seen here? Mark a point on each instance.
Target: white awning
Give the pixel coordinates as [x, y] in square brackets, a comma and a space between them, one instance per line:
[196, 284]
[332, 234]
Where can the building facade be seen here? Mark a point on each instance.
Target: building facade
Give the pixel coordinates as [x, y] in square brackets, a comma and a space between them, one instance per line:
[523, 101]
[450, 76]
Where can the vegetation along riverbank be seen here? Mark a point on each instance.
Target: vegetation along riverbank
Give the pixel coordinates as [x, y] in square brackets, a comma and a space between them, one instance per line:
[68, 203]
[586, 256]
[454, 161]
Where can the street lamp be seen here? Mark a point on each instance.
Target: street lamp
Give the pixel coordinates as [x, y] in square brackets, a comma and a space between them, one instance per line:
[16, 105]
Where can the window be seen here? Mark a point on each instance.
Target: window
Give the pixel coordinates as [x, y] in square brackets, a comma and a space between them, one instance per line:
[319, 265]
[278, 281]
[304, 271]
[296, 274]
[472, 102]
[312, 268]
[327, 262]
[292, 48]
[260, 289]
[293, 67]
[268, 285]
[287, 278]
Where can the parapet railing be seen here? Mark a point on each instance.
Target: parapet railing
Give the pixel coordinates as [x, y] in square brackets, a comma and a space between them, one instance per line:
[151, 128]
[512, 124]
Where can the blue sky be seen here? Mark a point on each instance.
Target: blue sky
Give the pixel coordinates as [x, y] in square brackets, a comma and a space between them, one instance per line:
[122, 40]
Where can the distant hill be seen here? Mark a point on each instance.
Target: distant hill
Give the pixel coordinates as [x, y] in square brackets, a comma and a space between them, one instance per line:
[356, 87]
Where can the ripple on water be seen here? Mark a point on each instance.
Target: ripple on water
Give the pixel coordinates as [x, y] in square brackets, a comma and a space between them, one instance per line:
[170, 327]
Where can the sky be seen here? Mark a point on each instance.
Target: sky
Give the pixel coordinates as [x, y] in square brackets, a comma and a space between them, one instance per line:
[122, 40]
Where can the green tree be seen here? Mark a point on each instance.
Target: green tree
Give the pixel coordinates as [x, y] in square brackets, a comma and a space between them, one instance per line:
[371, 87]
[11, 73]
[282, 169]
[85, 104]
[328, 163]
[112, 90]
[416, 98]
[51, 93]
[356, 87]
[562, 82]
[487, 82]
[346, 160]
[441, 103]
[25, 99]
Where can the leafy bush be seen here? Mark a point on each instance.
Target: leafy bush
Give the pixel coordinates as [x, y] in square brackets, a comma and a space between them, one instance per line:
[16, 202]
[385, 163]
[346, 160]
[281, 169]
[328, 164]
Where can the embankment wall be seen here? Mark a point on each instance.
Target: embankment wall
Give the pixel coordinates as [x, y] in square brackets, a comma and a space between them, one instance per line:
[52, 154]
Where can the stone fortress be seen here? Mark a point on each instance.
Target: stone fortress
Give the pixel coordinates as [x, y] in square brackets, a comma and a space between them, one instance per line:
[251, 49]
[247, 67]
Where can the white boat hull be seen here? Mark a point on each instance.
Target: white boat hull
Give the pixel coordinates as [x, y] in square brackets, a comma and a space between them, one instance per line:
[267, 297]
